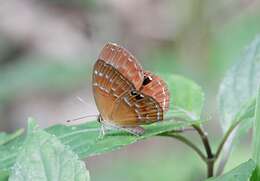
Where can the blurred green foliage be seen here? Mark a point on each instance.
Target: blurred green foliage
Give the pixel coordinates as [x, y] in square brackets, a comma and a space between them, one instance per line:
[229, 41]
[38, 74]
[177, 163]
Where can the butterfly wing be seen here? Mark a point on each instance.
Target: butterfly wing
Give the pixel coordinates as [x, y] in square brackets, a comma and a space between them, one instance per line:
[124, 62]
[108, 85]
[136, 108]
[117, 77]
[155, 87]
[119, 102]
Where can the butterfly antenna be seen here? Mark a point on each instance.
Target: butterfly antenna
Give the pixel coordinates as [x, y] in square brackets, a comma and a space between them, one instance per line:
[82, 101]
[82, 117]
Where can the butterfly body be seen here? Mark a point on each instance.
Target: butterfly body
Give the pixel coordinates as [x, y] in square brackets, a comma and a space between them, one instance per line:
[125, 95]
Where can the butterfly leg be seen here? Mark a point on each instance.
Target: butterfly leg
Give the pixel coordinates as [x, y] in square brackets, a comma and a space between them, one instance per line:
[134, 130]
[102, 132]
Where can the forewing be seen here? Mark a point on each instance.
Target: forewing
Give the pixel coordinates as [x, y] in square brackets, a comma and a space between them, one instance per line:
[135, 108]
[108, 85]
[124, 62]
[155, 87]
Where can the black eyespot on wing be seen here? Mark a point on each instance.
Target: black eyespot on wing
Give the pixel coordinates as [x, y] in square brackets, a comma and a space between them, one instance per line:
[133, 93]
[139, 97]
[147, 80]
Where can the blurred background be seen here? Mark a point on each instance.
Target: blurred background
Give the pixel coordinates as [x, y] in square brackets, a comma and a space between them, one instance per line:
[48, 48]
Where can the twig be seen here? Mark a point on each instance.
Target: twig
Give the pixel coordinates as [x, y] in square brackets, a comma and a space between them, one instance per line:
[226, 136]
[188, 143]
[210, 156]
[222, 146]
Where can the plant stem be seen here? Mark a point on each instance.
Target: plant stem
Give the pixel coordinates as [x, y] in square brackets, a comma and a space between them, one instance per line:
[211, 158]
[221, 147]
[188, 143]
[226, 136]
[210, 155]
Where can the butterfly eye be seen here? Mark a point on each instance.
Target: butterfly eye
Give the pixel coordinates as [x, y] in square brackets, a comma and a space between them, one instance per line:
[138, 97]
[133, 93]
[147, 80]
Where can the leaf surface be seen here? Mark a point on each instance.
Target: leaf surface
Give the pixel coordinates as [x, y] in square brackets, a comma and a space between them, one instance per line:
[236, 98]
[242, 172]
[186, 96]
[256, 140]
[240, 85]
[44, 158]
[5, 138]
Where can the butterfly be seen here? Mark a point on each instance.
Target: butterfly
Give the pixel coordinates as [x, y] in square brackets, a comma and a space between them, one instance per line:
[126, 95]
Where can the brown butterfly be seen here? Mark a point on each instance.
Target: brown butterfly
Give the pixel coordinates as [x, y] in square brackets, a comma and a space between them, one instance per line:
[126, 95]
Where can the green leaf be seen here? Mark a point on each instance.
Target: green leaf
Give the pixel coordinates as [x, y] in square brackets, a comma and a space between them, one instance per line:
[236, 97]
[246, 117]
[256, 140]
[84, 139]
[241, 173]
[186, 96]
[43, 157]
[239, 85]
[5, 138]
[4, 175]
